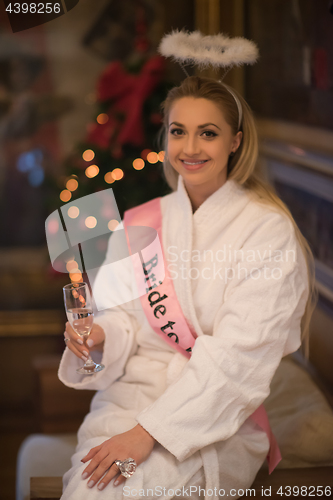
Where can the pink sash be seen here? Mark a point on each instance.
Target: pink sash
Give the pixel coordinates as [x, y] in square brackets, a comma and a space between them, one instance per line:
[159, 300]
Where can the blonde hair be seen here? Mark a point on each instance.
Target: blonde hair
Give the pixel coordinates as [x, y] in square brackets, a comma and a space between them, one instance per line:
[243, 168]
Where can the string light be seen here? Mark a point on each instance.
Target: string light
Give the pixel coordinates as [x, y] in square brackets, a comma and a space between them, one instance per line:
[138, 164]
[113, 224]
[152, 157]
[117, 174]
[88, 155]
[65, 195]
[102, 118]
[76, 277]
[108, 177]
[75, 270]
[90, 222]
[72, 184]
[144, 153]
[82, 300]
[73, 212]
[72, 265]
[92, 171]
[161, 156]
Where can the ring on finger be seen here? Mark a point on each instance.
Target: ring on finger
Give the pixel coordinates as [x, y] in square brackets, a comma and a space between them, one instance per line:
[126, 467]
[66, 340]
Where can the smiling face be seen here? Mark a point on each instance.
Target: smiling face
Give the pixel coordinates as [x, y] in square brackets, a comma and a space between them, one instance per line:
[199, 144]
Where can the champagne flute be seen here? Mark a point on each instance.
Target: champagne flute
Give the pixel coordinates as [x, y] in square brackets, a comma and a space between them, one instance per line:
[80, 315]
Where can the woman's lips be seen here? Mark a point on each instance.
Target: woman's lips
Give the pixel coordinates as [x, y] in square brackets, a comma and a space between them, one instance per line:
[193, 165]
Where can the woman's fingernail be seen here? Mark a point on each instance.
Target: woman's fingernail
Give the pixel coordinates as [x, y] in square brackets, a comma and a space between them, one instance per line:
[91, 483]
[84, 358]
[90, 342]
[116, 482]
[85, 475]
[79, 341]
[85, 353]
[101, 486]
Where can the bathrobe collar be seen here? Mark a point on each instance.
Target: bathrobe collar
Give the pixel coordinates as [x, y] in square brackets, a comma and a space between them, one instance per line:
[209, 219]
[214, 205]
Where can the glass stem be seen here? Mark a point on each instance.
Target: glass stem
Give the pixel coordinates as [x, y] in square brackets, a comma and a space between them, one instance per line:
[89, 361]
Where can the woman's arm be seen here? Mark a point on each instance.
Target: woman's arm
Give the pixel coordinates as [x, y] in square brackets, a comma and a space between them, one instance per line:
[118, 318]
[229, 373]
[135, 443]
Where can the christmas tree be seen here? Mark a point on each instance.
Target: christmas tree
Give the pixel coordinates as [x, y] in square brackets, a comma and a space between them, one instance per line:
[121, 147]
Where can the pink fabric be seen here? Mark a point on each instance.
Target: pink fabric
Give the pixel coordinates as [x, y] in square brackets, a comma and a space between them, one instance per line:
[160, 305]
[169, 321]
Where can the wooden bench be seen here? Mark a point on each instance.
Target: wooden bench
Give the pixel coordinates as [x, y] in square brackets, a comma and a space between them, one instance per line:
[50, 488]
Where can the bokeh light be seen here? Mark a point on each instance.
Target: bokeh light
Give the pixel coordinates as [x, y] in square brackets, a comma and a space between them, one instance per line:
[92, 171]
[72, 265]
[152, 157]
[72, 184]
[108, 177]
[88, 155]
[76, 276]
[113, 224]
[53, 226]
[75, 270]
[65, 195]
[161, 156]
[90, 222]
[102, 118]
[117, 174]
[30, 162]
[73, 212]
[138, 164]
[82, 300]
[144, 153]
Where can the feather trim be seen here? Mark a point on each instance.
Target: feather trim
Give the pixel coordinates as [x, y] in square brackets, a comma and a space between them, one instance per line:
[212, 50]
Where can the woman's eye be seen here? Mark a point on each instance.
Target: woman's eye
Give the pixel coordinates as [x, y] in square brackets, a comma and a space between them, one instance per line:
[212, 134]
[176, 130]
[179, 131]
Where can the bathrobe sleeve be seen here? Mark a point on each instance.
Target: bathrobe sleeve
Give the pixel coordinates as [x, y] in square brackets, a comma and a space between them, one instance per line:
[229, 373]
[114, 297]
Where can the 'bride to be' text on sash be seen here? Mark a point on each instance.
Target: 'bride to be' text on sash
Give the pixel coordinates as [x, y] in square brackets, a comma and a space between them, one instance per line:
[159, 300]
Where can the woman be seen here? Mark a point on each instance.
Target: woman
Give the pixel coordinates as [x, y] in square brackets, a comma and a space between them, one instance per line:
[243, 276]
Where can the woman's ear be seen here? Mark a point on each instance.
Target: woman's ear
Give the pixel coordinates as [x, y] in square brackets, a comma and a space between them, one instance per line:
[237, 141]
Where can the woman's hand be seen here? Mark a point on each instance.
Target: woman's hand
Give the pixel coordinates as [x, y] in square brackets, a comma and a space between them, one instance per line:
[94, 342]
[136, 444]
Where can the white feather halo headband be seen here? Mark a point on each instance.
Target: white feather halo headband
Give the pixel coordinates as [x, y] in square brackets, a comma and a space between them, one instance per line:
[210, 50]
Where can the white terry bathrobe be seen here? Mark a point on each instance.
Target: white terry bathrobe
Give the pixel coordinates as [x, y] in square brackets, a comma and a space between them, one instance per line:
[198, 410]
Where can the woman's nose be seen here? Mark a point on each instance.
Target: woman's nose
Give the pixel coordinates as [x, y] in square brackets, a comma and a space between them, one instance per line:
[191, 146]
